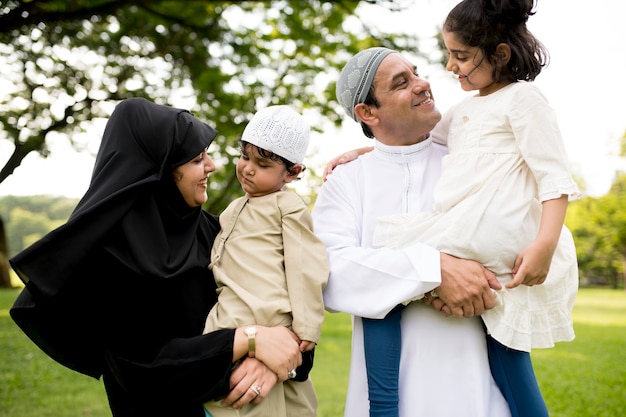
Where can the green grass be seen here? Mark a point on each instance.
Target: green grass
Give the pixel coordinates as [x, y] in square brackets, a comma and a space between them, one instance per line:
[583, 378]
[32, 384]
[587, 377]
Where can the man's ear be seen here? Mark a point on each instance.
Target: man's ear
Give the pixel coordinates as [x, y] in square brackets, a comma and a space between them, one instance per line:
[364, 113]
[503, 51]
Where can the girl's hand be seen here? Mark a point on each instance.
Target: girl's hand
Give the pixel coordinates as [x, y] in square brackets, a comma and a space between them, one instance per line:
[250, 382]
[344, 158]
[279, 349]
[532, 264]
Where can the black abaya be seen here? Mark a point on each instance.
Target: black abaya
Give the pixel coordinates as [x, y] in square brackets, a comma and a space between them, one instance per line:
[122, 289]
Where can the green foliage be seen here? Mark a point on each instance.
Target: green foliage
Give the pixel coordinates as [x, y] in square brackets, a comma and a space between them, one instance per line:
[583, 378]
[27, 219]
[599, 229]
[68, 62]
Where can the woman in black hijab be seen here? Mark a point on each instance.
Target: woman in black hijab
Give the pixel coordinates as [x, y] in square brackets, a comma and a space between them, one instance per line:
[122, 289]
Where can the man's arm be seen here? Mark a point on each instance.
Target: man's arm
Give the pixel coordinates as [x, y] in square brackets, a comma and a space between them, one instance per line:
[365, 281]
[369, 282]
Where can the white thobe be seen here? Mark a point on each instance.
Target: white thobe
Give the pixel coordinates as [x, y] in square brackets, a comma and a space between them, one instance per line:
[444, 369]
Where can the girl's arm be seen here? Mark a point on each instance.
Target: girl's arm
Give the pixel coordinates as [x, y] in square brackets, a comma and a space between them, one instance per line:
[344, 158]
[533, 262]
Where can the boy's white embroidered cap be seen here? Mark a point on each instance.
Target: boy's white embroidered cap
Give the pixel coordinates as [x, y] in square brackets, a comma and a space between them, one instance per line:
[281, 130]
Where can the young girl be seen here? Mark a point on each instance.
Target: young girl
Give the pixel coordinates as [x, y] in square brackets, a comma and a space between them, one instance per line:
[268, 264]
[501, 200]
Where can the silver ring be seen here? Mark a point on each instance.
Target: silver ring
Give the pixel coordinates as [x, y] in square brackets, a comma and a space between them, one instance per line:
[256, 388]
[292, 374]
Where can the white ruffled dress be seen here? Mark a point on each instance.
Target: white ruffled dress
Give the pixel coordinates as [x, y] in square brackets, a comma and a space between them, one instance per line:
[506, 157]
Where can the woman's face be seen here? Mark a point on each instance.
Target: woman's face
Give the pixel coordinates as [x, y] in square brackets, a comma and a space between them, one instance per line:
[191, 179]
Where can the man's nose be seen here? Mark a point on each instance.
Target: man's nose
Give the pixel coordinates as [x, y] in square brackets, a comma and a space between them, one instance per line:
[420, 85]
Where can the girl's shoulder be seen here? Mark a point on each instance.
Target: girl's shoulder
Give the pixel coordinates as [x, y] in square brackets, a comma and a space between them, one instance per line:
[525, 94]
[526, 88]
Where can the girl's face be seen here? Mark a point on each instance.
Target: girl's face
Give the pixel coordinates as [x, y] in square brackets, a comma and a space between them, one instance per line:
[470, 65]
[191, 179]
[261, 176]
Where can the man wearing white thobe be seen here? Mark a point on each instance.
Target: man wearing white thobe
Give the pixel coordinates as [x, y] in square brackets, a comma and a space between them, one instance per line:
[444, 368]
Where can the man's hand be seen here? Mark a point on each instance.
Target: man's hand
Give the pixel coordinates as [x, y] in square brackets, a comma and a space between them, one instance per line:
[465, 289]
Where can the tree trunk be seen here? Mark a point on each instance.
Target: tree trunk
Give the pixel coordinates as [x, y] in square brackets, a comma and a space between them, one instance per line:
[624, 271]
[5, 278]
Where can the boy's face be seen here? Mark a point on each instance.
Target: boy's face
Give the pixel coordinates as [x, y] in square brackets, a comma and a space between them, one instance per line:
[260, 176]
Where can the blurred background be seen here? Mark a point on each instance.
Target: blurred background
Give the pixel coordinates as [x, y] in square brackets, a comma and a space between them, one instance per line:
[66, 64]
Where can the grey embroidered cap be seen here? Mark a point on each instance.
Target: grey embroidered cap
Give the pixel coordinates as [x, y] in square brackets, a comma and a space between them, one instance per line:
[281, 130]
[357, 76]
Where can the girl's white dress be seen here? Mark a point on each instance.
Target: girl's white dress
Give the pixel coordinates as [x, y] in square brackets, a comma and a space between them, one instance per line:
[506, 157]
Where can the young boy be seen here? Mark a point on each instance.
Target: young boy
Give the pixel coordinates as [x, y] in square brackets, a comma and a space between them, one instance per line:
[269, 266]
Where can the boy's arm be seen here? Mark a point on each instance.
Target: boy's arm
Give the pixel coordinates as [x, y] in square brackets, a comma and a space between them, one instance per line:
[306, 267]
[533, 262]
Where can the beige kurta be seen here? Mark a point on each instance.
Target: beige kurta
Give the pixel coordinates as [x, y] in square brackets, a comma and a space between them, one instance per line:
[270, 270]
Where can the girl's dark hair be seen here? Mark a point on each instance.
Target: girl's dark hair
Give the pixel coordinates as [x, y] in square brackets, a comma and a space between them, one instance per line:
[487, 23]
[270, 155]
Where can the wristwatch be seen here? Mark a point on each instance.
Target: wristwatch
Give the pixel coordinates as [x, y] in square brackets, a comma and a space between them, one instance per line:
[250, 331]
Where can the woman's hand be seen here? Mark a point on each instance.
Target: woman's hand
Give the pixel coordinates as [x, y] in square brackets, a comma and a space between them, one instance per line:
[344, 158]
[250, 382]
[279, 349]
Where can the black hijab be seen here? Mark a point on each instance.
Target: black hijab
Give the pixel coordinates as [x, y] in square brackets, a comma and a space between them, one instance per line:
[132, 209]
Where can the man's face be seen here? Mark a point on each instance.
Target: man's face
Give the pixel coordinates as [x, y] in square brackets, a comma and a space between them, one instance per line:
[406, 112]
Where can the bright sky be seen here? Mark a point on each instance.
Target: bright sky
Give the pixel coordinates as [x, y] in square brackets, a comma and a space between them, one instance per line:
[586, 45]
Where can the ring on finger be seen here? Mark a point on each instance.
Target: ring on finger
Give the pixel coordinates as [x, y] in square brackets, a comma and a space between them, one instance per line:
[292, 374]
[256, 388]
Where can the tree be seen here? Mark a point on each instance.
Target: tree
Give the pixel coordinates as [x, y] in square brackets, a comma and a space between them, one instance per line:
[599, 229]
[5, 278]
[67, 63]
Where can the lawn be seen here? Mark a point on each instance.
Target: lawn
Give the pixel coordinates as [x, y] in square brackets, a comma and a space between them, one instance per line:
[584, 378]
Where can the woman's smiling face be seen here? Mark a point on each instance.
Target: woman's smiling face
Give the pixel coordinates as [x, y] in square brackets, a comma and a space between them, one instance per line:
[191, 179]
